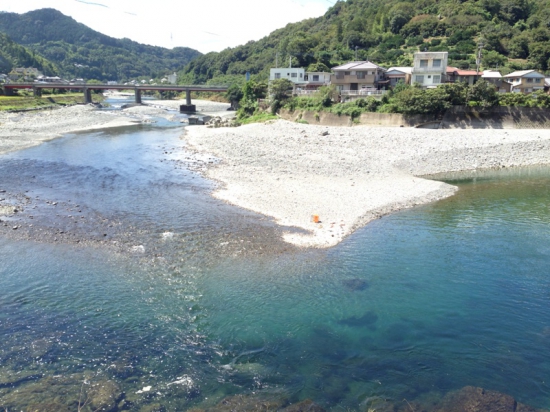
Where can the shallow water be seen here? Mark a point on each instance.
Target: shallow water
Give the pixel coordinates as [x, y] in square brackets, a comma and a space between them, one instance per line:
[414, 305]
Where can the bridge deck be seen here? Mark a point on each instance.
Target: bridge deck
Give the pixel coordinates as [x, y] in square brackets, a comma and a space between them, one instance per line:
[192, 88]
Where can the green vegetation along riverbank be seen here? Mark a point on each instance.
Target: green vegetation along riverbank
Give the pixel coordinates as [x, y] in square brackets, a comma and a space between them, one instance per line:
[11, 103]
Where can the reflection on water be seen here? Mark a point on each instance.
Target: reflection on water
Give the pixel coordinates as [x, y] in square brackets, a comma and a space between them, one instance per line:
[412, 306]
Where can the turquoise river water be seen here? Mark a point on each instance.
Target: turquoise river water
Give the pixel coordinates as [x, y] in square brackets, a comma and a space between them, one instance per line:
[199, 300]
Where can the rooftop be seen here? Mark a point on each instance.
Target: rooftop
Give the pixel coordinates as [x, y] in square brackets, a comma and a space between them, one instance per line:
[491, 74]
[521, 73]
[363, 65]
[401, 69]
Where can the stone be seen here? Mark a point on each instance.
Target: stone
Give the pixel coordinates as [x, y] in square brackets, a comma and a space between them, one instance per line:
[305, 406]
[245, 403]
[355, 284]
[104, 395]
[48, 407]
[473, 399]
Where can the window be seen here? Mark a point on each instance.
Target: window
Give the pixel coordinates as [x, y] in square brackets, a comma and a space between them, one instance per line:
[420, 79]
[315, 77]
[277, 75]
[301, 75]
[436, 63]
[294, 75]
[339, 75]
[437, 79]
[347, 73]
[423, 63]
[361, 75]
[529, 80]
[537, 80]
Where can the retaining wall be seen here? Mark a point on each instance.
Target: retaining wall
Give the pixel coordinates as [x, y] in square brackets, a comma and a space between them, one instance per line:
[463, 117]
[457, 117]
[366, 119]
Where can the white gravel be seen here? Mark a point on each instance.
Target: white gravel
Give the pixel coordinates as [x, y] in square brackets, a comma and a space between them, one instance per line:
[22, 130]
[352, 175]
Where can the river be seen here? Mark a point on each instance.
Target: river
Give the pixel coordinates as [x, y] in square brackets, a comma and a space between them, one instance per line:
[125, 274]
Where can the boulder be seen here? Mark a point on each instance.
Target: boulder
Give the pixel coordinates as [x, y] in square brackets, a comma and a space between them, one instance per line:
[305, 406]
[104, 395]
[472, 399]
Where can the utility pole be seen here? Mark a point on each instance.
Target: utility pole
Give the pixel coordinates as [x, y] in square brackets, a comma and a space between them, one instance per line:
[290, 61]
[277, 60]
[478, 58]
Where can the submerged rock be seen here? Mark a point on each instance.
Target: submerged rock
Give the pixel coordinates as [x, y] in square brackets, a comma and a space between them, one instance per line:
[48, 407]
[472, 399]
[244, 403]
[305, 406]
[104, 396]
[368, 319]
[355, 284]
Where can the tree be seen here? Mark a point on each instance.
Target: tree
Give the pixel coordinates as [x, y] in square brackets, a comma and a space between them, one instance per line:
[234, 94]
[279, 91]
[483, 94]
[318, 67]
[493, 59]
[539, 54]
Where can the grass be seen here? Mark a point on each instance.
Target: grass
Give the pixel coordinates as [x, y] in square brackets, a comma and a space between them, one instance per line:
[30, 102]
[258, 118]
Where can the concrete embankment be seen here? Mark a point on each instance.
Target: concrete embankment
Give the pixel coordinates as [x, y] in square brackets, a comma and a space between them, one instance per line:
[457, 117]
[366, 119]
[461, 117]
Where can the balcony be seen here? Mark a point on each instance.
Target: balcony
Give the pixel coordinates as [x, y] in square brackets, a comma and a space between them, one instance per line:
[428, 70]
[368, 79]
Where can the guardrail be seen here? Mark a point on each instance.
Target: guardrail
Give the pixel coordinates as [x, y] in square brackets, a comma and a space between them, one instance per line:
[363, 92]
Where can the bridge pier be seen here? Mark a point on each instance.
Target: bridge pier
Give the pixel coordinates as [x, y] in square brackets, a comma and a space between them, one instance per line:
[36, 92]
[188, 107]
[138, 96]
[88, 96]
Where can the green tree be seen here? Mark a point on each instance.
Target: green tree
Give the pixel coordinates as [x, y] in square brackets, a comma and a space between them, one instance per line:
[234, 94]
[280, 90]
[539, 54]
[483, 94]
[493, 59]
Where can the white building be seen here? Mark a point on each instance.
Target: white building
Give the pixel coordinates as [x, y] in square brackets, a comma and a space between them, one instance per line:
[429, 68]
[294, 74]
[172, 78]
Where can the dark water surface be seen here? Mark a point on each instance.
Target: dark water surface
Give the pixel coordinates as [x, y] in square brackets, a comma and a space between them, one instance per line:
[199, 300]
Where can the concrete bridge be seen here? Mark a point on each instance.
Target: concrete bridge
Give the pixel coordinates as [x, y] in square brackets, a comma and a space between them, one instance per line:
[138, 89]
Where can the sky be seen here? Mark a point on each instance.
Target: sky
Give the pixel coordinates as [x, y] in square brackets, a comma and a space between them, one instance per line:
[203, 25]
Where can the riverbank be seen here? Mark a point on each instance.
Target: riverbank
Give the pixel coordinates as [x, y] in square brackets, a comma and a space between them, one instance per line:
[22, 130]
[350, 176]
[26, 129]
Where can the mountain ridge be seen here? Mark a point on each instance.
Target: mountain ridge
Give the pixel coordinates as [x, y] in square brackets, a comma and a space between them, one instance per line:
[80, 51]
[514, 34]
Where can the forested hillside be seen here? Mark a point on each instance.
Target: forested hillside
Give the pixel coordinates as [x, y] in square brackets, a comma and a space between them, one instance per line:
[13, 55]
[515, 34]
[80, 51]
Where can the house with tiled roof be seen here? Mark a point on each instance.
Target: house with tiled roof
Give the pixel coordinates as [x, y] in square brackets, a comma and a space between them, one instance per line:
[359, 78]
[525, 81]
[454, 74]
